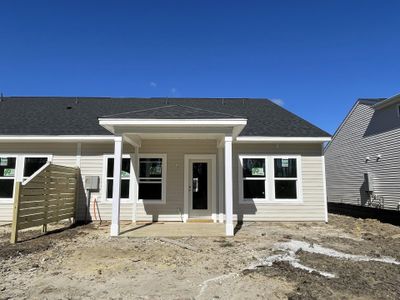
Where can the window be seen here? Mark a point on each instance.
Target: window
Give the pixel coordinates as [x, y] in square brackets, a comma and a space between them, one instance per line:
[7, 176]
[152, 177]
[125, 177]
[286, 178]
[265, 179]
[253, 178]
[32, 164]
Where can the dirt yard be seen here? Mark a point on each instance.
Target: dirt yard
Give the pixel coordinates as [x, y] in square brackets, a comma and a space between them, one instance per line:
[348, 258]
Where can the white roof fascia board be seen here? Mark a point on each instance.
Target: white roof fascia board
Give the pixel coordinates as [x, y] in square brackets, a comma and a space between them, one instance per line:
[273, 139]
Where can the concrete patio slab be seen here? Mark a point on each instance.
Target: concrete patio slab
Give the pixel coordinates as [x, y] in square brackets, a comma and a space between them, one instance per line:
[173, 229]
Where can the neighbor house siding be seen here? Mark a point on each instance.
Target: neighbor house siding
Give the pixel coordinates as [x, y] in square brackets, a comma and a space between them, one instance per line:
[365, 133]
[313, 206]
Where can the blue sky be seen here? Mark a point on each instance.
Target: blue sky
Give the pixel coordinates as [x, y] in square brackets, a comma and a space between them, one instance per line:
[314, 57]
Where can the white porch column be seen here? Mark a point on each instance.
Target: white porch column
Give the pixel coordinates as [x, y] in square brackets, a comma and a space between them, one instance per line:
[221, 184]
[115, 217]
[135, 181]
[228, 187]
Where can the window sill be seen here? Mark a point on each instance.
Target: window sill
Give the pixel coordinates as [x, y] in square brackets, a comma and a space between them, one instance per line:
[275, 201]
[6, 200]
[151, 201]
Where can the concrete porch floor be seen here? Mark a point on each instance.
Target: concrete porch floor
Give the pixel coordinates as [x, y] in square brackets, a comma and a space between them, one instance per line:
[173, 229]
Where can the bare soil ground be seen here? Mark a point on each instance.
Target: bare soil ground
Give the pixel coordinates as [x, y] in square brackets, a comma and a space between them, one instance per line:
[85, 263]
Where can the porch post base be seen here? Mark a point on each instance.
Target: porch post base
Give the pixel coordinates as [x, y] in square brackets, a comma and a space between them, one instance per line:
[229, 229]
[114, 230]
[221, 218]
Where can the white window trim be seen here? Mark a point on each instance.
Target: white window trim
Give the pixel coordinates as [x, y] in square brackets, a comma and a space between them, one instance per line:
[163, 156]
[298, 179]
[10, 200]
[19, 168]
[270, 180]
[243, 200]
[22, 163]
[104, 183]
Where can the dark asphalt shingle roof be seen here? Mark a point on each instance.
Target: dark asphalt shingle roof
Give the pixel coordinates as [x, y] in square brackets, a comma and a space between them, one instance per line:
[370, 101]
[79, 116]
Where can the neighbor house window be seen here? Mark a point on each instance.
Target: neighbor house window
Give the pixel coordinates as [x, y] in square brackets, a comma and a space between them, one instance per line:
[32, 164]
[152, 177]
[126, 169]
[253, 178]
[286, 178]
[7, 176]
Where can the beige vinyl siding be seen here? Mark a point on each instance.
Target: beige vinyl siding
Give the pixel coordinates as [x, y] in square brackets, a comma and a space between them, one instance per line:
[63, 154]
[92, 159]
[6, 210]
[366, 132]
[313, 206]
[175, 150]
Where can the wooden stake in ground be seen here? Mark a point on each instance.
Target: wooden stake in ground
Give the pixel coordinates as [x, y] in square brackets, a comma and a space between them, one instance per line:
[17, 197]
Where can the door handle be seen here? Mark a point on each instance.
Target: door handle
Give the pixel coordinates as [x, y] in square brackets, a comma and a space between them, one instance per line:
[195, 185]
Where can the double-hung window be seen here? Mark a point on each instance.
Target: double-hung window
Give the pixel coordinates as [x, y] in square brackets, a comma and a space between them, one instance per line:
[152, 178]
[126, 170]
[253, 178]
[7, 176]
[268, 179]
[286, 178]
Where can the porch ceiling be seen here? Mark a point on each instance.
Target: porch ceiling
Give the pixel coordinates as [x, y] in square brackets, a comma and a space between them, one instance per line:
[174, 128]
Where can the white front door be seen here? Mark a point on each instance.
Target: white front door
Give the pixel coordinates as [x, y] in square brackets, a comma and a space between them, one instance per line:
[200, 188]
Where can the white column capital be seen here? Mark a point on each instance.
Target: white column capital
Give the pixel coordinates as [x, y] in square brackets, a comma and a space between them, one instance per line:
[118, 139]
[228, 139]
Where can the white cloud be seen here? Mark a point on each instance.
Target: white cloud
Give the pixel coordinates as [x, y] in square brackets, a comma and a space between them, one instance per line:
[280, 102]
[153, 84]
[173, 91]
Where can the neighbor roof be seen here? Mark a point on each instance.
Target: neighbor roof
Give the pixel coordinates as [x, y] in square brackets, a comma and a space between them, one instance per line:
[79, 116]
[363, 101]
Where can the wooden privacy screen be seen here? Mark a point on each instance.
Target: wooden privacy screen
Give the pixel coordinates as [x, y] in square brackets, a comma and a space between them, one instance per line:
[47, 196]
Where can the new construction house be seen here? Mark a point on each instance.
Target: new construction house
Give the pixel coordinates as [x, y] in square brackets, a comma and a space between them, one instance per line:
[363, 161]
[161, 159]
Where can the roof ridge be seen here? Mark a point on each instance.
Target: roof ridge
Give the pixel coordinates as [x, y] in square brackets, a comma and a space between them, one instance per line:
[140, 110]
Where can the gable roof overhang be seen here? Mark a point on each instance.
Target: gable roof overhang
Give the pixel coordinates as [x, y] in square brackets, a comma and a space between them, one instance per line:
[387, 102]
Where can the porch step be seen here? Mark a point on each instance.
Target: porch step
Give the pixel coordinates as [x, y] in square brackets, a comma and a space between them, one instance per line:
[200, 221]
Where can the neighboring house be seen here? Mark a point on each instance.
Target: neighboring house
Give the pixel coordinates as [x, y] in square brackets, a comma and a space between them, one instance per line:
[363, 158]
[171, 159]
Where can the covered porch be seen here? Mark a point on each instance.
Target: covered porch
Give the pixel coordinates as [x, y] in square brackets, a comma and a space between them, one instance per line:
[195, 184]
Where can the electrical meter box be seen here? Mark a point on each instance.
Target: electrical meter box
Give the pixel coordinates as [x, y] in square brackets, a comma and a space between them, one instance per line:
[369, 182]
[92, 183]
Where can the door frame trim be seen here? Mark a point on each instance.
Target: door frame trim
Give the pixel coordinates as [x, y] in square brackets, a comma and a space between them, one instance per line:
[187, 158]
